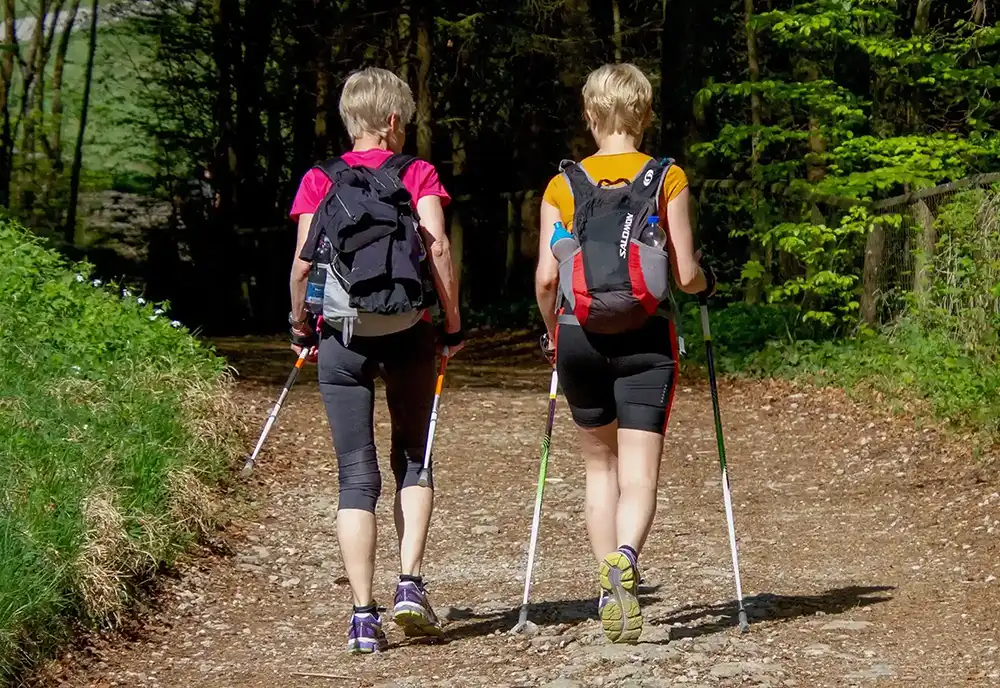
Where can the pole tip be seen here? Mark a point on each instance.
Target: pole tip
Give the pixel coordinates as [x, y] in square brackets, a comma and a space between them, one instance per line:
[744, 624]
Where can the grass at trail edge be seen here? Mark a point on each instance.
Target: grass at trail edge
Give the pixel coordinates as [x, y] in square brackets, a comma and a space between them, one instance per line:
[114, 422]
[909, 367]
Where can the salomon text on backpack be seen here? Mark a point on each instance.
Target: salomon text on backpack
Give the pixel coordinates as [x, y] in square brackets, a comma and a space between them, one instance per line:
[367, 237]
[611, 281]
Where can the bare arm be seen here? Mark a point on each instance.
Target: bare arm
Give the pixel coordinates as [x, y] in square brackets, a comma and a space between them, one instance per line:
[300, 271]
[442, 268]
[547, 272]
[687, 273]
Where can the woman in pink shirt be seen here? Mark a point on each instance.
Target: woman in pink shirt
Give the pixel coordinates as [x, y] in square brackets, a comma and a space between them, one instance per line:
[376, 106]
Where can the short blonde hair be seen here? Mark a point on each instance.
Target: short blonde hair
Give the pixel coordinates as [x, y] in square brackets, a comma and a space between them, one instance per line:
[368, 99]
[618, 98]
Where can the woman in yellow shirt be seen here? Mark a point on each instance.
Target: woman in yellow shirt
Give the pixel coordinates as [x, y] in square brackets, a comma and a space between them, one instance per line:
[619, 386]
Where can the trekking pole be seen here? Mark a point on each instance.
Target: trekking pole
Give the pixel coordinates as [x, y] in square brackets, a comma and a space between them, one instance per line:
[726, 496]
[248, 466]
[424, 479]
[522, 621]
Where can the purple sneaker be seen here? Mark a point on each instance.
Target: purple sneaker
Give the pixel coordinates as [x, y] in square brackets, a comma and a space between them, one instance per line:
[366, 635]
[412, 611]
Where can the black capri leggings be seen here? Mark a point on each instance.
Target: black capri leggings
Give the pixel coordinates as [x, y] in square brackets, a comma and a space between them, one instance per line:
[405, 361]
[628, 377]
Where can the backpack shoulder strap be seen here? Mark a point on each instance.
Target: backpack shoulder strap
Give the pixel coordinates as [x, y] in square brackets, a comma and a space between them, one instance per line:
[397, 165]
[648, 184]
[579, 181]
[333, 167]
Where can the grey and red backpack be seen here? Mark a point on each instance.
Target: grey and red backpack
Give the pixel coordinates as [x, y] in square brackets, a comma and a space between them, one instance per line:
[610, 281]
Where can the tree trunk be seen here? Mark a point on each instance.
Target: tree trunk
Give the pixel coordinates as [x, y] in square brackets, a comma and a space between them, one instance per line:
[405, 41]
[758, 253]
[921, 26]
[326, 104]
[257, 31]
[665, 100]
[979, 12]
[323, 99]
[922, 22]
[225, 15]
[37, 105]
[30, 74]
[616, 18]
[816, 168]
[456, 232]
[54, 149]
[74, 180]
[304, 57]
[425, 103]
[513, 246]
[30, 68]
[6, 76]
[275, 141]
[575, 59]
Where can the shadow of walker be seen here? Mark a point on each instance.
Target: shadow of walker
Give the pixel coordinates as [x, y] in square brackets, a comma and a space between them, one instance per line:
[699, 620]
[542, 614]
[688, 622]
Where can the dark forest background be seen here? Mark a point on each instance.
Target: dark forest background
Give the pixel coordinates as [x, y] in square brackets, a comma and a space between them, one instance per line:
[162, 140]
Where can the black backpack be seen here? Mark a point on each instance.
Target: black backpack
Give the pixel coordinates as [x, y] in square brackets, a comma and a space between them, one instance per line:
[367, 235]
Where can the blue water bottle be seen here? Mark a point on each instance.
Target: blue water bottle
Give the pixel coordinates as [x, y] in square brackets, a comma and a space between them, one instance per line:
[563, 243]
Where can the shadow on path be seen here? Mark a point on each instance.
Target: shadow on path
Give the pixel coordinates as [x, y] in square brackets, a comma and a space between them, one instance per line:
[769, 607]
[713, 618]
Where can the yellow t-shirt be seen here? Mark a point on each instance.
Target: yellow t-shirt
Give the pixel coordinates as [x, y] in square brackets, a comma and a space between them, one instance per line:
[613, 168]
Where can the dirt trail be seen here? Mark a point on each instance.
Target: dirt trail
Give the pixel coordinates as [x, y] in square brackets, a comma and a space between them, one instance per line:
[869, 553]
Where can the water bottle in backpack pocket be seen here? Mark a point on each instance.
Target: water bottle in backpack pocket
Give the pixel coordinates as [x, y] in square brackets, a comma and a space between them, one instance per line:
[316, 285]
[617, 274]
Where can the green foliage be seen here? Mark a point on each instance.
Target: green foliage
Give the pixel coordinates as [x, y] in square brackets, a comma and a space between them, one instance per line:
[857, 108]
[946, 378]
[907, 364]
[963, 299]
[104, 455]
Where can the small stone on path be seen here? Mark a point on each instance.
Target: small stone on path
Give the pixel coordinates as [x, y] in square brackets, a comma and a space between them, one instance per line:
[846, 626]
[877, 671]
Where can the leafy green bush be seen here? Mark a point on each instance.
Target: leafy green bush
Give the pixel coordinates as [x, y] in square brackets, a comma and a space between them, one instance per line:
[963, 298]
[113, 422]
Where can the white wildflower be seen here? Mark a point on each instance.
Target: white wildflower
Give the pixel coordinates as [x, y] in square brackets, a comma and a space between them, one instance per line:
[159, 311]
[141, 301]
[152, 318]
[79, 278]
[97, 282]
[126, 293]
[175, 323]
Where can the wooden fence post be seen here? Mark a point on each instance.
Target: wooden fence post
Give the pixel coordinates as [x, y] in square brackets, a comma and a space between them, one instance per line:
[874, 255]
[924, 254]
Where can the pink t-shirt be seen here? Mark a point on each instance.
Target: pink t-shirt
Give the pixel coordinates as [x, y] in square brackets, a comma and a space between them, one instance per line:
[420, 179]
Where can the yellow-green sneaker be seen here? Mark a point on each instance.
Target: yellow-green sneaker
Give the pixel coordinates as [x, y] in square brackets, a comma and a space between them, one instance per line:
[619, 606]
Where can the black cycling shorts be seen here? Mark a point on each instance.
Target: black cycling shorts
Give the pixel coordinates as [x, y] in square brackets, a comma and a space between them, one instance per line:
[628, 377]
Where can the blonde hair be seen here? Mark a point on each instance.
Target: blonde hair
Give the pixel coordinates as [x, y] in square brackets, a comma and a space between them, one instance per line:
[618, 98]
[370, 96]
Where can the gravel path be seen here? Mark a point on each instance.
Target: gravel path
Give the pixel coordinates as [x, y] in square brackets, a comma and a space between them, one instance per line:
[869, 553]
